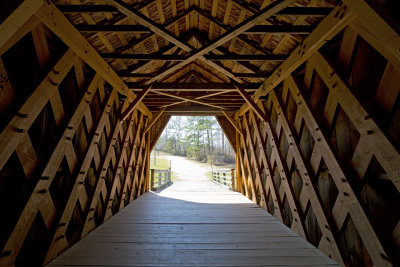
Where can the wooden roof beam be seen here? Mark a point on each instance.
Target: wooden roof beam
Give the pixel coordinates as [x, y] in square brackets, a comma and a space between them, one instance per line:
[134, 104]
[204, 41]
[145, 57]
[329, 27]
[251, 75]
[246, 57]
[288, 11]
[12, 24]
[252, 104]
[163, 57]
[209, 86]
[242, 27]
[196, 98]
[145, 21]
[113, 28]
[153, 120]
[278, 29]
[229, 28]
[50, 16]
[193, 111]
[232, 121]
[188, 99]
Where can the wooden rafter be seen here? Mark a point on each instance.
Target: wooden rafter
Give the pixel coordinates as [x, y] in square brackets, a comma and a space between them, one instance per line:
[316, 145]
[135, 103]
[187, 99]
[55, 20]
[164, 57]
[328, 28]
[262, 15]
[194, 86]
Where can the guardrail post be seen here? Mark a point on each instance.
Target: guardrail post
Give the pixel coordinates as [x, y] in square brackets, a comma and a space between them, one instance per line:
[233, 179]
[152, 179]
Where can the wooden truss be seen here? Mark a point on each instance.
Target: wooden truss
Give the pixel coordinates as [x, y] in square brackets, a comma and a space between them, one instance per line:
[305, 91]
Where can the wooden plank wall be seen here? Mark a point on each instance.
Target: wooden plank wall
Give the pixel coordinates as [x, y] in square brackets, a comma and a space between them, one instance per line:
[67, 163]
[325, 161]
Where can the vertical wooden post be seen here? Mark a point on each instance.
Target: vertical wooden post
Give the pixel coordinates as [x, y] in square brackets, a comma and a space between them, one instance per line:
[146, 187]
[238, 170]
[233, 179]
[152, 179]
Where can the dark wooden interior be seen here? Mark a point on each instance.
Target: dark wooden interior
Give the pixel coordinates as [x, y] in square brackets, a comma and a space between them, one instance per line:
[306, 91]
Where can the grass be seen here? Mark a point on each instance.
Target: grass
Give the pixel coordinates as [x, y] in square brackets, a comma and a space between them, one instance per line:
[161, 163]
[210, 176]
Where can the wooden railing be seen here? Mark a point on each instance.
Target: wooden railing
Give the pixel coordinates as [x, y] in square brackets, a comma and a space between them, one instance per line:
[225, 177]
[159, 178]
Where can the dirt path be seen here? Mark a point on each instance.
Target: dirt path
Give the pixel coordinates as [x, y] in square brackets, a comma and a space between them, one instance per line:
[188, 170]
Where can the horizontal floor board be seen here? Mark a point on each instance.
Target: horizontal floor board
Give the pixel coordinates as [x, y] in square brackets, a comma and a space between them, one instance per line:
[195, 223]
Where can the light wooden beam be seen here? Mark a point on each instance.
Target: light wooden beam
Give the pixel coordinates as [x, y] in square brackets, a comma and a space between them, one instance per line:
[196, 98]
[50, 16]
[251, 103]
[339, 18]
[113, 28]
[242, 27]
[382, 148]
[140, 18]
[210, 86]
[153, 120]
[12, 24]
[135, 103]
[187, 99]
[373, 28]
[258, 29]
[232, 121]
[225, 57]
[288, 11]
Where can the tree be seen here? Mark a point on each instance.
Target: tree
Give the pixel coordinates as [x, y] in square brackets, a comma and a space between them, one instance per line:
[197, 137]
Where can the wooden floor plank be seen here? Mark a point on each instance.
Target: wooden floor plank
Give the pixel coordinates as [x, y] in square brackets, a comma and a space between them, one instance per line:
[192, 223]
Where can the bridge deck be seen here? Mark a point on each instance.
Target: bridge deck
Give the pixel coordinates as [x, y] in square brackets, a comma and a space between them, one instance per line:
[193, 223]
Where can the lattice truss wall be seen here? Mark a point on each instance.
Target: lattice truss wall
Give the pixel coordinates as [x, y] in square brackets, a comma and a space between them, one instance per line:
[67, 161]
[319, 150]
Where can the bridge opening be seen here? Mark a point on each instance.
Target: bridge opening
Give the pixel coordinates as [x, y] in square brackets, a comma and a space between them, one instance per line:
[197, 138]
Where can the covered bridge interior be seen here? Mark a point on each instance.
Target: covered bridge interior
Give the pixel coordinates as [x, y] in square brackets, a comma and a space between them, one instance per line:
[306, 91]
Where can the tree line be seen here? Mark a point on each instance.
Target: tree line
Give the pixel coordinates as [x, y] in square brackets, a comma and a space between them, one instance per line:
[196, 137]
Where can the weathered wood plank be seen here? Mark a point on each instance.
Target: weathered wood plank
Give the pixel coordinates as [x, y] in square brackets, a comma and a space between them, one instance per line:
[184, 225]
